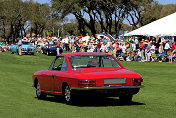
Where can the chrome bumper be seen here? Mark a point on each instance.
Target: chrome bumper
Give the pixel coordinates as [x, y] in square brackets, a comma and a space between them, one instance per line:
[106, 87]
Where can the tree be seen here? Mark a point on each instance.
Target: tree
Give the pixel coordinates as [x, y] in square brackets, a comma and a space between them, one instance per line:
[134, 10]
[40, 16]
[13, 19]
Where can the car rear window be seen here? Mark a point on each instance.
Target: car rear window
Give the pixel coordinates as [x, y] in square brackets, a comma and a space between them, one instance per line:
[93, 61]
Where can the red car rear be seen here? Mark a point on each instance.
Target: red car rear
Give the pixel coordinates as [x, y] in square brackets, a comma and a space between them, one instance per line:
[73, 74]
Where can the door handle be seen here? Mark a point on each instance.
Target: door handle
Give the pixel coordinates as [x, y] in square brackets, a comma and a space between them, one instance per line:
[53, 75]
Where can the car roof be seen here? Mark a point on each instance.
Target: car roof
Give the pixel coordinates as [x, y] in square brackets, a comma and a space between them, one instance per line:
[82, 53]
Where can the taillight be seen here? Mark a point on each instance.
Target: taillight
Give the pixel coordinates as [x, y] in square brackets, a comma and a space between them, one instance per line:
[137, 82]
[86, 83]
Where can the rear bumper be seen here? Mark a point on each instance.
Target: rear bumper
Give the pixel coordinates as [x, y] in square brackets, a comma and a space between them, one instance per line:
[108, 91]
[106, 87]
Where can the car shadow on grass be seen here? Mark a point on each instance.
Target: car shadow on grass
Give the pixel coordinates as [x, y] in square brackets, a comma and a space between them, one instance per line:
[93, 102]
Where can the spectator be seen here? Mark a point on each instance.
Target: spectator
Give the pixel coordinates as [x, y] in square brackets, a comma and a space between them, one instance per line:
[114, 49]
[19, 46]
[99, 45]
[167, 47]
[142, 51]
[58, 46]
[173, 46]
[152, 51]
[148, 54]
[161, 48]
[76, 44]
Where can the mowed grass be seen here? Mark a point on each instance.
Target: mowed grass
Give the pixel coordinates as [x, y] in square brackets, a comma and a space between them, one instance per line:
[18, 99]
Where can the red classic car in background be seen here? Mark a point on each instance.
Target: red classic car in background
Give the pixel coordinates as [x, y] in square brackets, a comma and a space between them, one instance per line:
[75, 74]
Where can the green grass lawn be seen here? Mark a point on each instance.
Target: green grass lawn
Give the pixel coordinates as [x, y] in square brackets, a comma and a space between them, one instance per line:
[17, 96]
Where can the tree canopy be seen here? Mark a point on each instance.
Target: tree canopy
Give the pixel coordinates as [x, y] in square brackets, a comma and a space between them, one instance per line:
[18, 18]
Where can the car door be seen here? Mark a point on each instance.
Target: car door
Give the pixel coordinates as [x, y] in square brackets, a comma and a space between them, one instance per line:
[45, 80]
[58, 72]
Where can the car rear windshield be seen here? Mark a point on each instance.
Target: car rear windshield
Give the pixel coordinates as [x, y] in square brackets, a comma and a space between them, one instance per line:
[93, 61]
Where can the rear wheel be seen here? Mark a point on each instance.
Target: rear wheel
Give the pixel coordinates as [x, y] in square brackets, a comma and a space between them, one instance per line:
[126, 98]
[68, 95]
[39, 94]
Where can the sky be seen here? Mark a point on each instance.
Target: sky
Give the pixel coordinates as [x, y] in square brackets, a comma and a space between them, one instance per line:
[164, 2]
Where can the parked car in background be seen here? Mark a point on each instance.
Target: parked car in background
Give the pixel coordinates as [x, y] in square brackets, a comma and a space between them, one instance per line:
[49, 49]
[26, 48]
[87, 74]
[2, 47]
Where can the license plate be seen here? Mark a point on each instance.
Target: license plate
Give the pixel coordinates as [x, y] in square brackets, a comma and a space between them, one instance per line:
[115, 81]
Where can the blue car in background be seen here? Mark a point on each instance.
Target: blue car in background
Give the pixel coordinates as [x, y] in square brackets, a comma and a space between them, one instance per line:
[26, 48]
[49, 49]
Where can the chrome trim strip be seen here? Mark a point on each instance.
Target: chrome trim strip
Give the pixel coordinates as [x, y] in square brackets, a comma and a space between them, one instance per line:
[106, 87]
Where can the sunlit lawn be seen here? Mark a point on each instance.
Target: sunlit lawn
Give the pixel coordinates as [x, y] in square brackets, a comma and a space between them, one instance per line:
[17, 96]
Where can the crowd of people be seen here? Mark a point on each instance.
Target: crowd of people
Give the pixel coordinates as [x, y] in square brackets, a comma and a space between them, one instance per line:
[124, 49]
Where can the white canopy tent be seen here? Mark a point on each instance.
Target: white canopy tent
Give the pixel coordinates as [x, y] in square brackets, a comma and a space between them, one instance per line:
[165, 26]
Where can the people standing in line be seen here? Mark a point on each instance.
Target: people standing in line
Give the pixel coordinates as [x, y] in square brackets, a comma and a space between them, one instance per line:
[19, 46]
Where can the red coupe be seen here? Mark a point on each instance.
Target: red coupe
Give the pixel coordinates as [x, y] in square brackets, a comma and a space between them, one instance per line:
[80, 74]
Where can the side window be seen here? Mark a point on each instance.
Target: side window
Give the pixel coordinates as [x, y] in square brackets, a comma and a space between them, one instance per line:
[64, 65]
[60, 64]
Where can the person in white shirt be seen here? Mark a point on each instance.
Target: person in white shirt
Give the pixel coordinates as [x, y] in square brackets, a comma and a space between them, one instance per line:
[103, 47]
[123, 48]
[167, 47]
[152, 49]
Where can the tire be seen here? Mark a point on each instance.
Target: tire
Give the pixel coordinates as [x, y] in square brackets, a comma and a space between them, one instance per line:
[126, 98]
[39, 94]
[68, 95]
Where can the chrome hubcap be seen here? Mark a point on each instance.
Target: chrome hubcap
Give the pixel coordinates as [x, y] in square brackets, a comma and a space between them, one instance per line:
[67, 94]
[38, 90]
